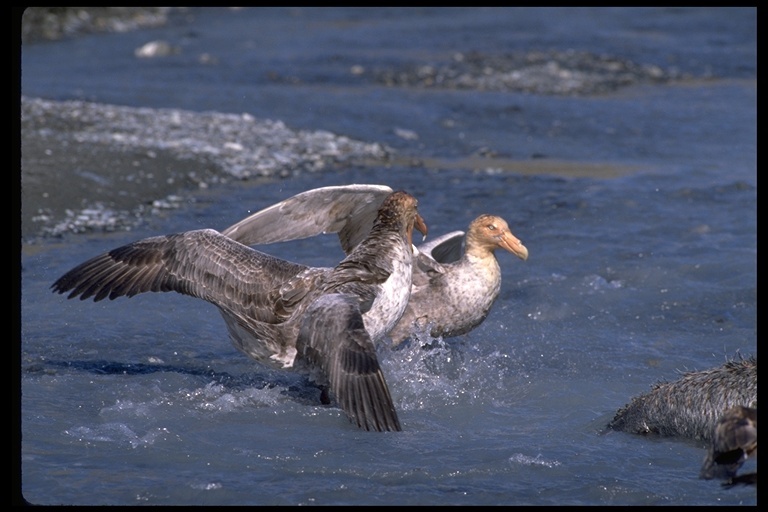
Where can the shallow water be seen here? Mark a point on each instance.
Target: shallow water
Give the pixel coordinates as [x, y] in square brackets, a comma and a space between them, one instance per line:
[638, 208]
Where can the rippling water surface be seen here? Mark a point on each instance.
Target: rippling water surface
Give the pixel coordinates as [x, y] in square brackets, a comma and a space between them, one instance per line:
[638, 208]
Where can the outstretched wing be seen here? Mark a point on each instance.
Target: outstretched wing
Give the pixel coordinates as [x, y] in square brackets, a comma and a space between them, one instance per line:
[447, 248]
[201, 263]
[348, 210]
[432, 257]
[333, 338]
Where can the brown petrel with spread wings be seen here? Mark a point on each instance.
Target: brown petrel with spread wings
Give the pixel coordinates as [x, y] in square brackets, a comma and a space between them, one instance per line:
[322, 321]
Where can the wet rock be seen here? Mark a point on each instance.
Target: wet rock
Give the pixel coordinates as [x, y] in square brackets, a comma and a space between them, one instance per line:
[52, 23]
[538, 72]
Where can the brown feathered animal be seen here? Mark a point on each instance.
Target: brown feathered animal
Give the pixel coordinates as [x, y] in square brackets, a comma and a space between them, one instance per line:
[456, 278]
[734, 440]
[323, 321]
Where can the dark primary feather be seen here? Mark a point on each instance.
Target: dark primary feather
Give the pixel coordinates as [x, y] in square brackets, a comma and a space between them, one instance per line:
[333, 336]
[200, 263]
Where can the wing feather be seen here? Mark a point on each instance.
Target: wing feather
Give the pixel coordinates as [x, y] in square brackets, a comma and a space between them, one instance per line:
[333, 337]
[348, 210]
[201, 263]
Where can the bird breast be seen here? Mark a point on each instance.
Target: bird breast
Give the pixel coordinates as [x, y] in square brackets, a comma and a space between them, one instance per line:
[391, 300]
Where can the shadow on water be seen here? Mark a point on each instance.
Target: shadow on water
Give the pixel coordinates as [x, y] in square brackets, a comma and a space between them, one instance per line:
[304, 392]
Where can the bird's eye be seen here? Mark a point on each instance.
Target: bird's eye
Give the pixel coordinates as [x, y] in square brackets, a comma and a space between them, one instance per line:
[492, 227]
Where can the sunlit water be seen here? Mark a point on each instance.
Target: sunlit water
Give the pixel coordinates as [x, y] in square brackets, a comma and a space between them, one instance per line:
[630, 280]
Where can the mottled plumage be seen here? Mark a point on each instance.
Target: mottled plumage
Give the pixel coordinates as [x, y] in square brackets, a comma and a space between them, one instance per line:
[453, 290]
[456, 278]
[323, 321]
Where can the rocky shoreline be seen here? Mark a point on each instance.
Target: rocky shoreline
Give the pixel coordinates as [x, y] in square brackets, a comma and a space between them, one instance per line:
[138, 160]
[53, 23]
[72, 150]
